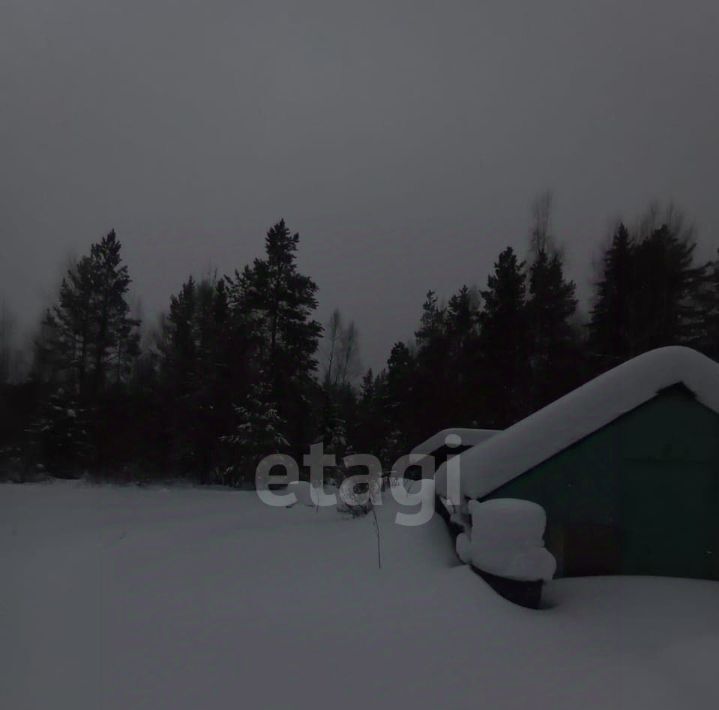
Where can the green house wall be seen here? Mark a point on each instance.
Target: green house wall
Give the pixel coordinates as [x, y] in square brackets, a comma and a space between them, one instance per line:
[640, 496]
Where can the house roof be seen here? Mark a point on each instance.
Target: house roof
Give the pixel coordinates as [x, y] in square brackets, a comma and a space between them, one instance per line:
[467, 437]
[578, 414]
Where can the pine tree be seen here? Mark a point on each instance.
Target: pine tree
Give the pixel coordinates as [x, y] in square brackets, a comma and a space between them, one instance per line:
[282, 301]
[89, 333]
[86, 351]
[67, 329]
[503, 341]
[116, 339]
[275, 302]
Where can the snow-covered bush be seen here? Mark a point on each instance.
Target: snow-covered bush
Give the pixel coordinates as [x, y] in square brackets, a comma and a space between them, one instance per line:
[356, 494]
[506, 540]
[303, 492]
[223, 475]
[354, 499]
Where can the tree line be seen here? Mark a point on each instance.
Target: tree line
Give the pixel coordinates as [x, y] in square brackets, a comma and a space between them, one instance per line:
[239, 367]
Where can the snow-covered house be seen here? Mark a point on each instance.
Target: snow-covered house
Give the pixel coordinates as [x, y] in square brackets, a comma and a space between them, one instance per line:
[626, 468]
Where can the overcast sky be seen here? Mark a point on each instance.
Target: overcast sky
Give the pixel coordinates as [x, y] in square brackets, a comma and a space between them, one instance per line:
[404, 139]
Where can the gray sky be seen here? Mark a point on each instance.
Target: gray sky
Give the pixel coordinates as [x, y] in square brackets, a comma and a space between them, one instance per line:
[403, 139]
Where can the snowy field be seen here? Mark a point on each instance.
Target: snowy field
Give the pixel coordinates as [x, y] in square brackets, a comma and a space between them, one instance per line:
[122, 597]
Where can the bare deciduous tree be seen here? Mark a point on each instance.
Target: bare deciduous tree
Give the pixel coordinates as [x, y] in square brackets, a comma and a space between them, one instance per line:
[341, 351]
[349, 365]
[540, 236]
[333, 334]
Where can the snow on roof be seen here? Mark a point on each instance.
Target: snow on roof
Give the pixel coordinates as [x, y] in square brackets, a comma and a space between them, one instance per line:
[580, 413]
[467, 437]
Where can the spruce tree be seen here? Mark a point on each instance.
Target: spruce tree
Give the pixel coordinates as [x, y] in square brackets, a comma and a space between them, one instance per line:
[432, 322]
[61, 437]
[462, 316]
[666, 282]
[610, 328]
[707, 303]
[431, 380]
[334, 436]
[259, 432]
[464, 388]
[503, 342]
[553, 341]
[648, 294]
[712, 315]
[178, 346]
[203, 369]
[371, 424]
[399, 397]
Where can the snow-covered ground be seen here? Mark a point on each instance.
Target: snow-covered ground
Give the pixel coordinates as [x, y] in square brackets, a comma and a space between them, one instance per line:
[184, 598]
